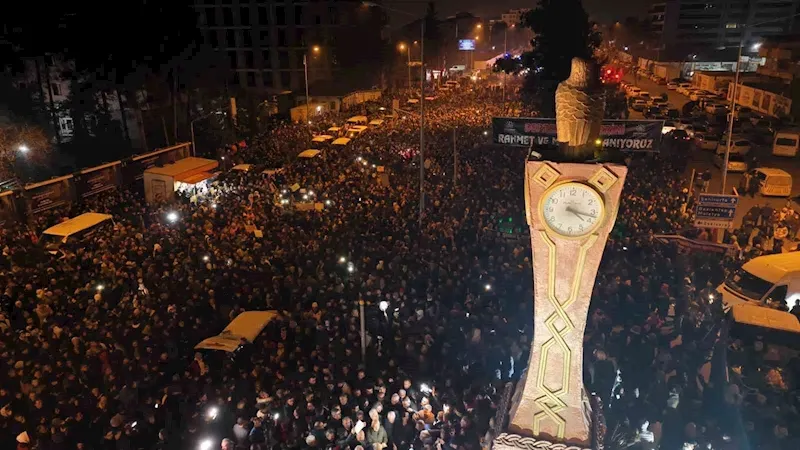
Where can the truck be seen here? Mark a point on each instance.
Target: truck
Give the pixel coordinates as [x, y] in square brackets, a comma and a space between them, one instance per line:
[766, 280]
[667, 72]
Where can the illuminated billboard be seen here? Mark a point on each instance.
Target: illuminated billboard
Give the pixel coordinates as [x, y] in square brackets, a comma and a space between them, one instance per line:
[466, 44]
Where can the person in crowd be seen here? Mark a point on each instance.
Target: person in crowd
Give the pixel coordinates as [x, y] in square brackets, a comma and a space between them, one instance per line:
[98, 342]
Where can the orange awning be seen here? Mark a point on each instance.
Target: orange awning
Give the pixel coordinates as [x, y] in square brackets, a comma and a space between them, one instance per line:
[195, 178]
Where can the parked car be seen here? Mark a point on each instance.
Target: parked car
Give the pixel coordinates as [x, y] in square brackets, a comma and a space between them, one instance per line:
[638, 104]
[644, 94]
[736, 162]
[706, 141]
[651, 112]
[672, 85]
[716, 108]
[738, 145]
[683, 123]
[660, 102]
[682, 88]
[679, 135]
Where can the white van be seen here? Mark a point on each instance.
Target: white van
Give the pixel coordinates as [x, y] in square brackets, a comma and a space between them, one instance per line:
[243, 328]
[358, 120]
[773, 182]
[786, 143]
[73, 230]
[763, 280]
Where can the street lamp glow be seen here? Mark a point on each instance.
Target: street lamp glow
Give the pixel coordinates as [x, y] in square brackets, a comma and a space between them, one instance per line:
[756, 46]
[206, 258]
[206, 444]
[342, 260]
[315, 49]
[383, 305]
[100, 287]
[479, 26]
[488, 287]
[172, 216]
[402, 46]
[24, 148]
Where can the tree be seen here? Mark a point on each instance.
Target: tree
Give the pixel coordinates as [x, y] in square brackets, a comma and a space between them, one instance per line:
[21, 140]
[433, 36]
[562, 31]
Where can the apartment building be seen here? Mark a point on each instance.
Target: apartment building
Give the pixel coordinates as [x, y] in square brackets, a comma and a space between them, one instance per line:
[43, 77]
[265, 42]
[513, 16]
[656, 17]
[693, 26]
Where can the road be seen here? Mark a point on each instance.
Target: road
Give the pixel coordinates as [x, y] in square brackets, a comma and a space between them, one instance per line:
[704, 160]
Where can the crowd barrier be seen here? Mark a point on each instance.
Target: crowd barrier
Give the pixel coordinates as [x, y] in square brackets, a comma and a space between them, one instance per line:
[24, 203]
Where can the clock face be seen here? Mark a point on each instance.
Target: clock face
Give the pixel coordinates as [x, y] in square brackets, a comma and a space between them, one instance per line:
[572, 209]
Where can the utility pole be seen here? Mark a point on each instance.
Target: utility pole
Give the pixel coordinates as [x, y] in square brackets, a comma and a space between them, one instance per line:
[422, 122]
[455, 160]
[363, 332]
[505, 76]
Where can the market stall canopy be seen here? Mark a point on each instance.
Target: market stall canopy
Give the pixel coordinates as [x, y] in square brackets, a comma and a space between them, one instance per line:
[184, 168]
[310, 153]
[322, 138]
[242, 167]
[341, 141]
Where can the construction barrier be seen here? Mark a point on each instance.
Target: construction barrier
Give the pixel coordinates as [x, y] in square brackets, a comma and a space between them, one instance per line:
[26, 202]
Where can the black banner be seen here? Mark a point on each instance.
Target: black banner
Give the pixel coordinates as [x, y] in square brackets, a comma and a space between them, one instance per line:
[625, 135]
[96, 181]
[51, 195]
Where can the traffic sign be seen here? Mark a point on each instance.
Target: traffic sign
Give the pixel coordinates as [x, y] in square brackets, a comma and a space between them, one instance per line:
[715, 210]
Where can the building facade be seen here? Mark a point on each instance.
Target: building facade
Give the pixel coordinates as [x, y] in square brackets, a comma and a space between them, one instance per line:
[265, 43]
[44, 78]
[513, 16]
[693, 26]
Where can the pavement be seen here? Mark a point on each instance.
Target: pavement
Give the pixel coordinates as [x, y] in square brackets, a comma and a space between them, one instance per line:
[704, 159]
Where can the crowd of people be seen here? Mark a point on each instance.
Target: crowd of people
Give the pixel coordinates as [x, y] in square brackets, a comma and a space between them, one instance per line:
[98, 343]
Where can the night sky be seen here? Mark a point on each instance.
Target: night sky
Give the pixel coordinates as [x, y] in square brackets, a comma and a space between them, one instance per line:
[600, 10]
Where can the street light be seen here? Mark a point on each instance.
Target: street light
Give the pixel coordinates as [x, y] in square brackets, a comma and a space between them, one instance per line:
[23, 148]
[421, 102]
[733, 96]
[315, 49]
[407, 49]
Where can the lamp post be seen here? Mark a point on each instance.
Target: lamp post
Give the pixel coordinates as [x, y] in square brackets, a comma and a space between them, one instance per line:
[733, 96]
[315, 49]
[407, 48]
[421, 102]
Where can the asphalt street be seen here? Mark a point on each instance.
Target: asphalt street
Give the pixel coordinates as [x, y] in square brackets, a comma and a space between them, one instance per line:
[702, 160]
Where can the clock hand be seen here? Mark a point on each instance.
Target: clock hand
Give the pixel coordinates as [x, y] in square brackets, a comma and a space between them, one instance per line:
[578, 213]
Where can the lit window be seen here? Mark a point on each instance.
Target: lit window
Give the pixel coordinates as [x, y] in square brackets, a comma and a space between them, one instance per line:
[731, 25]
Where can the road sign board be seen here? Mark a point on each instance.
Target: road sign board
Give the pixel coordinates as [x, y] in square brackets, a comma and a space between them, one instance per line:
[715, 210]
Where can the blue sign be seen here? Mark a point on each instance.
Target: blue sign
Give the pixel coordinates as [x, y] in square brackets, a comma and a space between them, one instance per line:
[715, 210]
[466, 44]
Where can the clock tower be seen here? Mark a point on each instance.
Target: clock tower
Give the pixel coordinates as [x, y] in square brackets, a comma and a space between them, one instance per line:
[571, 205]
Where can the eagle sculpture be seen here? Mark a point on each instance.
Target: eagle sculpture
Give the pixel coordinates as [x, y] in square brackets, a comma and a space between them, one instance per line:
[580, 104]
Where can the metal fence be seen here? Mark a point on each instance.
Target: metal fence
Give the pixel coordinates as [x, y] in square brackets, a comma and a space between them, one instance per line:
[27, 201]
